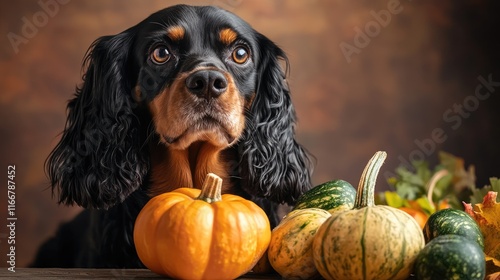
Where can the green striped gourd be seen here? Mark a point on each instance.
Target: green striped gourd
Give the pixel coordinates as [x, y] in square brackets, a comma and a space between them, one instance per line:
[452, 221]
[370, 241]
[451, 256]
[290, 249]
[331, 196]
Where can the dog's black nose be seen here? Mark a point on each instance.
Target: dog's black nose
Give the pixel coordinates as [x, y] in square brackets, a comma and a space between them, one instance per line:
[207, 83]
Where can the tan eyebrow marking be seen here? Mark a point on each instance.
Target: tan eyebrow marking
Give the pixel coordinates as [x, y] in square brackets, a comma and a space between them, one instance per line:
[227, 36]
[176, 33]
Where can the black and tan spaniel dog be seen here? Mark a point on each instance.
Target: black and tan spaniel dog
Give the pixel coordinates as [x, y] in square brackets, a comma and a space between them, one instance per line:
[187, 91]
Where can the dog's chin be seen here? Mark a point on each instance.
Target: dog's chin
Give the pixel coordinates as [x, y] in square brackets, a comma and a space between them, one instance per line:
[216, 136]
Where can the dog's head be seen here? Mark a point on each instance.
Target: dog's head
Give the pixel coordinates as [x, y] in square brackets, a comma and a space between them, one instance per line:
[197, 73]
[183, 75]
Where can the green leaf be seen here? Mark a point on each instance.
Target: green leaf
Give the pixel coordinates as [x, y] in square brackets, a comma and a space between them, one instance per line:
[479, 193]
[392, 181]
[410, 185]
[495, 184]
[426, 205]
[423, 171]
[409, 177]
[463, 180]
[393, 199]
[457, 187]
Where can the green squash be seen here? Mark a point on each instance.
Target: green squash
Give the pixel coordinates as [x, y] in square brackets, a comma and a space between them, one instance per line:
[329, 196]
[290, 249]
[450, 256]
[452, 221]
[369, 241]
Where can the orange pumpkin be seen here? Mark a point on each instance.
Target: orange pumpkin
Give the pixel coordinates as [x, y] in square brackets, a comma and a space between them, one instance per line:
[193, 234]
[418, 215]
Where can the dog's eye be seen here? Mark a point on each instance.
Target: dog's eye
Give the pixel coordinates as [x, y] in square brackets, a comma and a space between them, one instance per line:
[160, 55]
[240, 55]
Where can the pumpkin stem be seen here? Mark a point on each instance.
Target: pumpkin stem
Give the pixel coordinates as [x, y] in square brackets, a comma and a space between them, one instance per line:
[366, 187]
[211, 189]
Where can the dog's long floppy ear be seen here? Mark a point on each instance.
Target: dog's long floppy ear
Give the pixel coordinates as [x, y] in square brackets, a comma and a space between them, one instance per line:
[98, 161]
[273, 164]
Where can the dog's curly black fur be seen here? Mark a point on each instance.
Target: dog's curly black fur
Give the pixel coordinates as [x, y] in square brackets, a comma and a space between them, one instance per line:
[106, 158]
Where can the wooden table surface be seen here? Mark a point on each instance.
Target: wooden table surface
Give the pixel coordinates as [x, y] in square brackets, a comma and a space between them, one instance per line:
[77, 273]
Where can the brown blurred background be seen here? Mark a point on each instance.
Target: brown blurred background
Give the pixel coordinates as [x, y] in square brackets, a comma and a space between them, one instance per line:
[407, 76]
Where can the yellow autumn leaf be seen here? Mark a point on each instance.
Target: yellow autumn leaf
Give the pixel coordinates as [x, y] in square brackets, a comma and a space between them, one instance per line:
[487, 216]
